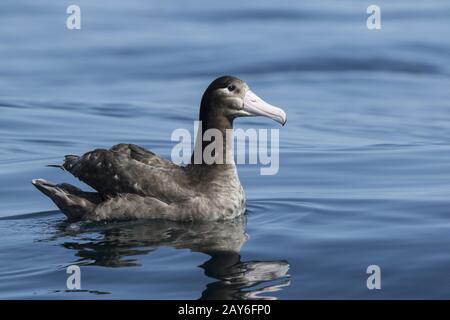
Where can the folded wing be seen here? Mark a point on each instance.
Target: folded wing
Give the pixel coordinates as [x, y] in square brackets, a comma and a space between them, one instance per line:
[128, 168]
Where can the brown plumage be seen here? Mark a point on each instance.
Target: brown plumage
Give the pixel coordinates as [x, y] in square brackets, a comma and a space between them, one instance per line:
[132, 182]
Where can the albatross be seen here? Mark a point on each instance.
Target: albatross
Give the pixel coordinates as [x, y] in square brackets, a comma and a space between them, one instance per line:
[134, 183]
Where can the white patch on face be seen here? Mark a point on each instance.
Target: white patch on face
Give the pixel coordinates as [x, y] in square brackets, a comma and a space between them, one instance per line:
[237, 100]
[225, 91]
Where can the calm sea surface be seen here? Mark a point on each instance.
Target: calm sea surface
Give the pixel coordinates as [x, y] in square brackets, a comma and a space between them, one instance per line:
[364, 173]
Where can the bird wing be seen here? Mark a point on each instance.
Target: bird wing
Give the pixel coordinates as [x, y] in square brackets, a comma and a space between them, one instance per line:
[142, 155]
[127, 168]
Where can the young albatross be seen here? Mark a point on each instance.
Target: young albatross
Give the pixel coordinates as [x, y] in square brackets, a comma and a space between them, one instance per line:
[132, 182]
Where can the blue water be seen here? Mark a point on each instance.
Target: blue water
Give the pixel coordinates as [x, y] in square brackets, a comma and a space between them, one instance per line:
[364, 173]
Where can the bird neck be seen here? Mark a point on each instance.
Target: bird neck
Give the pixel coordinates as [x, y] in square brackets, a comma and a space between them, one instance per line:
[214, 139]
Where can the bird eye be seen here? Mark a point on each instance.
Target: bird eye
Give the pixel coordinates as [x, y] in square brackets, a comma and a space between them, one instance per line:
[231, 87]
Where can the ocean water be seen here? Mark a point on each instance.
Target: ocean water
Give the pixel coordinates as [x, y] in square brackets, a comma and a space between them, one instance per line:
[364, 174]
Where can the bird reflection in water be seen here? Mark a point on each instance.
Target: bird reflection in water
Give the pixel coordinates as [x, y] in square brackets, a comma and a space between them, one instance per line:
[120, 242]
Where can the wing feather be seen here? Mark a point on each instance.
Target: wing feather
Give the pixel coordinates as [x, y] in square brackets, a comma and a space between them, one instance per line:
[128, 168]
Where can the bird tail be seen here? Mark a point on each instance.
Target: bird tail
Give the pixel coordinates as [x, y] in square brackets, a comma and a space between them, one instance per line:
[73, 202]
